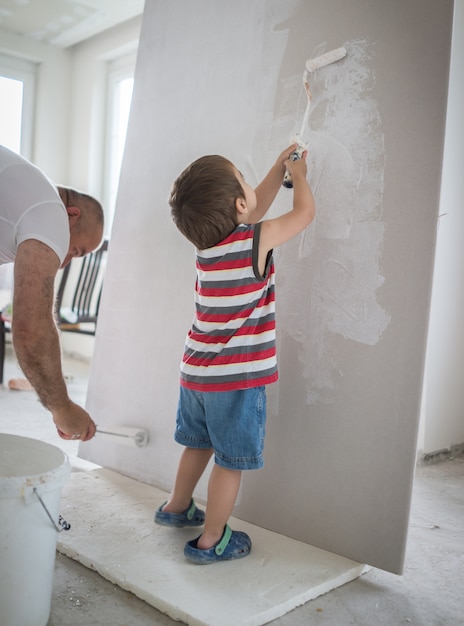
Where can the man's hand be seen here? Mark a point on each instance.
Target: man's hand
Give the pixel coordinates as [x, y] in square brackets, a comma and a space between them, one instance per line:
[73, 422]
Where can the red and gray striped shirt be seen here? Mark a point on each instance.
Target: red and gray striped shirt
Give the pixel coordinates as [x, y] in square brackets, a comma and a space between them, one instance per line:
[231, 344]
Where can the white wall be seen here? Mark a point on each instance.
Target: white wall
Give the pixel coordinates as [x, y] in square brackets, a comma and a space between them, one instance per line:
[70, 101]
[50, 142]
[443, 407]
[89, 84]
[353, 292]
[70, 122]
[88, 127]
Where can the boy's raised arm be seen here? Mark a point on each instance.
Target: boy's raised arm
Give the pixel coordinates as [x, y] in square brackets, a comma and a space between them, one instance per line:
[277, 231]
[267, 190]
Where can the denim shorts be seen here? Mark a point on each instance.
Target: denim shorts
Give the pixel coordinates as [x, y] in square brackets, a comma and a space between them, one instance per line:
[233, 423]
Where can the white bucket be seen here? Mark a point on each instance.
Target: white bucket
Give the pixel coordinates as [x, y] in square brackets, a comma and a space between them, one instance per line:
[30, 471]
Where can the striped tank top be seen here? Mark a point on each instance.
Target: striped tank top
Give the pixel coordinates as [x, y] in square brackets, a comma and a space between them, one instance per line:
[231, 344]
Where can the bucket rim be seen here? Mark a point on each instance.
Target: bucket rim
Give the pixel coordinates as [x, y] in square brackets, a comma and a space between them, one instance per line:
[47, 480]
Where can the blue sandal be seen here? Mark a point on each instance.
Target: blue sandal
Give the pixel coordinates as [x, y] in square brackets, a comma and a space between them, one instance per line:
[190, 517]
[232, 545]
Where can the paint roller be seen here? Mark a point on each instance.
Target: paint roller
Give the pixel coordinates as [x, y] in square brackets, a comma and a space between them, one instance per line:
[126, 435]
[312, 65]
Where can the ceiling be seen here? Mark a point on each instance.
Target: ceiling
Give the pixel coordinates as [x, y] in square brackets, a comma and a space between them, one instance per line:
[63, 23]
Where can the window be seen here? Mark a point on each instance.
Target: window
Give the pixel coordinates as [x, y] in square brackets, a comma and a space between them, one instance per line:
[17, 79]
[120, 85]
[11, 95]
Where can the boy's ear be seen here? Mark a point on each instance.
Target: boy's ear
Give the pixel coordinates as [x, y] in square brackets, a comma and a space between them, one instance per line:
[241, 206]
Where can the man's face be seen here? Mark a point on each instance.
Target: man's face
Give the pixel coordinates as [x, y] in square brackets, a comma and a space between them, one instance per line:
[83, 241]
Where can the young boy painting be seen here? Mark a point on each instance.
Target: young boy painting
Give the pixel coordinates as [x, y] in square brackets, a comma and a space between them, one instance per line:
[230, 351]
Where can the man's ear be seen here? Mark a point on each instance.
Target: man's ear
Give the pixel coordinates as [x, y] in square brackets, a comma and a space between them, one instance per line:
[74, 213]
[241, 206]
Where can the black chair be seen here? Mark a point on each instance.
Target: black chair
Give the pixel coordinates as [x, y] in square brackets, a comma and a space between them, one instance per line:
[80, 285]
[4, 328]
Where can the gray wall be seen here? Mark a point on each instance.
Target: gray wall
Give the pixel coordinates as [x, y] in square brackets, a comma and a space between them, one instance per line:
[352, 292]
[443, 406]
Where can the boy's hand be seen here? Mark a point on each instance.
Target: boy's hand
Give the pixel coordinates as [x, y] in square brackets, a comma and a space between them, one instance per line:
[267, 190]
[298, 167]
[285, 155]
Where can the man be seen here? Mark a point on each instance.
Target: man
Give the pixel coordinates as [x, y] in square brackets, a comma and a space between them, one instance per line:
[42, 227]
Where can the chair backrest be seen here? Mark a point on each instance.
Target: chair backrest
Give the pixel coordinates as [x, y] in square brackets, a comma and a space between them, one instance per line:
[79, 292]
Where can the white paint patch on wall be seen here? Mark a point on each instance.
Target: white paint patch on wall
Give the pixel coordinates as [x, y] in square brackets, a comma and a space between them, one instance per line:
[328, 277]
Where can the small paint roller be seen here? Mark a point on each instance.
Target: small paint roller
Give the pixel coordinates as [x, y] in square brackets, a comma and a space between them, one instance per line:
[325, 59]
[126, 435]
[312, 65]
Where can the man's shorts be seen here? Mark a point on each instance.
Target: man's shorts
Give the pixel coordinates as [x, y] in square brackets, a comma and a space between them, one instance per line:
[233, 423]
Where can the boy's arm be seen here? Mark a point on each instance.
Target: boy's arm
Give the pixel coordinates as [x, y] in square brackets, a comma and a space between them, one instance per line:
[267, 190]
[279, 230]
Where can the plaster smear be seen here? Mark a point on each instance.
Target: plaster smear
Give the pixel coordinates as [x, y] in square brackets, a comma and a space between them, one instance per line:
[328, 277]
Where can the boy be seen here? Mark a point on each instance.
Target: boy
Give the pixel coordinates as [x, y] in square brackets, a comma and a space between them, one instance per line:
[230, 352]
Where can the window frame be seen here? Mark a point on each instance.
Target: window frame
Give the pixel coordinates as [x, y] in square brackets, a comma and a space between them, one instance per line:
[25, 71]
[119, 69]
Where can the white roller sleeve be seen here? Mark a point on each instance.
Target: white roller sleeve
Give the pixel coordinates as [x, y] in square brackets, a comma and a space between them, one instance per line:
[325, 59]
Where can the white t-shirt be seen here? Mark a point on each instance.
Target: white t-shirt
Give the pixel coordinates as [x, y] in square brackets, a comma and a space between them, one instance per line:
[30, 208]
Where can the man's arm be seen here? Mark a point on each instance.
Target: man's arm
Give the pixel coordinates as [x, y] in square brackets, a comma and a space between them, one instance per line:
[36, 339]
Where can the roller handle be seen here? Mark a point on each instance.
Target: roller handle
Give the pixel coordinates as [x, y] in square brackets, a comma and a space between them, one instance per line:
[295, 155]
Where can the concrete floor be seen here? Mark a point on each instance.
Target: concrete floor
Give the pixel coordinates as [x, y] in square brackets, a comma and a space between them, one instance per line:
[430, 593]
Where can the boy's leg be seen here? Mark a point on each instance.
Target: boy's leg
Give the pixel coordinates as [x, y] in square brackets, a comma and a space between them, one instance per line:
[192, 464]
[223, 489]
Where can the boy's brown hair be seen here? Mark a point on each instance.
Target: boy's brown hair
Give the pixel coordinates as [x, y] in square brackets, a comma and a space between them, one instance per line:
[202, 201]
